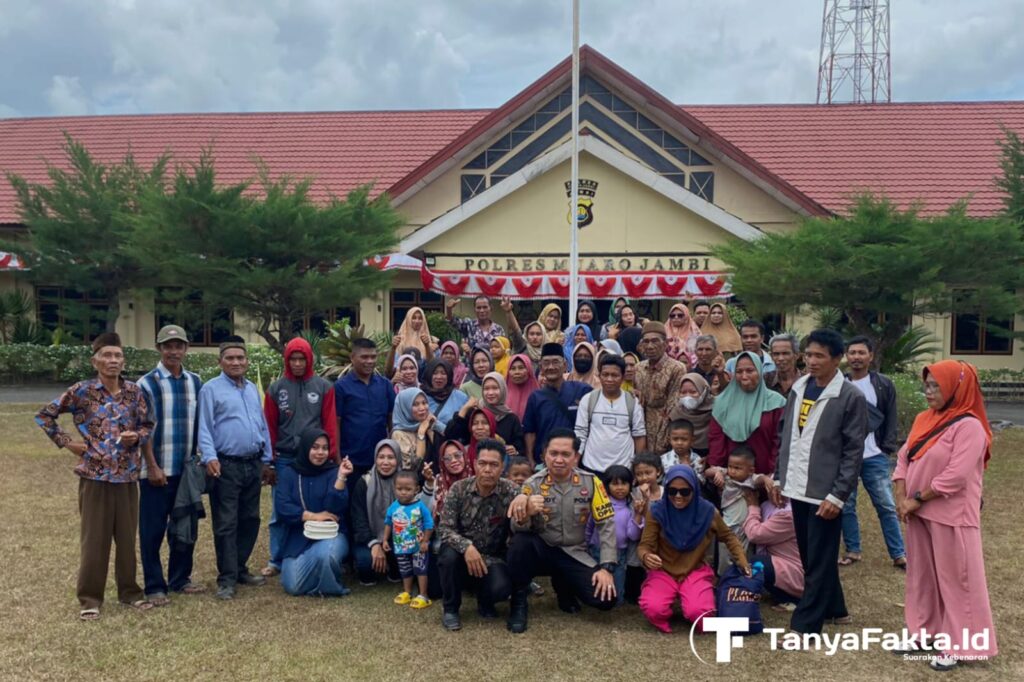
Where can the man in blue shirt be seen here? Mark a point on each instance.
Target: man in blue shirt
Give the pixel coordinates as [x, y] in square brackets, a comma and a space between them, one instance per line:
[364, 401]
[172, 393]
[234, 446]
[553, 406]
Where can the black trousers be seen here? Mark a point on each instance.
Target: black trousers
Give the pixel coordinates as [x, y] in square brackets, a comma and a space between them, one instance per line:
[818, 541]
[155, 505]
[529, 556]
[494, 587]
[235, 503]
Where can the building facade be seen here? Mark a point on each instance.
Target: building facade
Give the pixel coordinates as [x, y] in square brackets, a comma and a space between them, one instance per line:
[485, 192]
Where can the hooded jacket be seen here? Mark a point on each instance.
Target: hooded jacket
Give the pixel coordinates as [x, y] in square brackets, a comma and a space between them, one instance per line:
[295, 404]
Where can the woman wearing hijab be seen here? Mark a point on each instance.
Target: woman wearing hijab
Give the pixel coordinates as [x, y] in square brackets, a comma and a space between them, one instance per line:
[372, 494]
[627, 319]
[586, 314]
[613, 316]
[414, 429]
[508, 425]
[574, 336]
[746, 412]
[632, 361]
[443, 398]
[313, 488]
[407, 373]
[678, 531]
[551, 320]
[501, 354]
[414, 332]
[938, 478]
[682, 334]
[695, 403]
[629, 340]
[522, 382]
[454, 467]
[471, 425]
[533, 338]
[480, 363]
[449, 352]
[720, 326]
[583, 367]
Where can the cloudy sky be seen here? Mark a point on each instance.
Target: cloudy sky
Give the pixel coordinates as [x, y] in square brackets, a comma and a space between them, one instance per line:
[66, 57]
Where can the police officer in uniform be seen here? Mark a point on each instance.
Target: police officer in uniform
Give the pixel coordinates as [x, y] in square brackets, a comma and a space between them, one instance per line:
[549, 522]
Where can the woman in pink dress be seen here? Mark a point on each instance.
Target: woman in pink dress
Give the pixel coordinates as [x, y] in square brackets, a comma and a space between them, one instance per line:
[938, 495]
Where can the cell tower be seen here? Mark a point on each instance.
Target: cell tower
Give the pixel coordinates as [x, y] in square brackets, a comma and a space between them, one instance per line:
[854, 59]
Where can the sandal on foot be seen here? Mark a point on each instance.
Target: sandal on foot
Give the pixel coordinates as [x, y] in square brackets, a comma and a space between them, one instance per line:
[140, 604]
[158, 599]
[900, 563]
[89, 614]
[849, 559]
[269, 571]
[784, 607]
[193, 588]
[420, 602]
[403, 598]
[842, 620]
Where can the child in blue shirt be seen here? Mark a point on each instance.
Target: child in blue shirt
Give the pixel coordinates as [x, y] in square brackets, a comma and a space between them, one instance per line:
[408, 525]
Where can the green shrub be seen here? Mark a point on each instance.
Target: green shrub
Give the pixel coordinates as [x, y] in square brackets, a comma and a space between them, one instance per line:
[909, 400]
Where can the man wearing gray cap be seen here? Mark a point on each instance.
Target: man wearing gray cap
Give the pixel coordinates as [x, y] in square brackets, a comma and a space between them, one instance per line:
[172, 394]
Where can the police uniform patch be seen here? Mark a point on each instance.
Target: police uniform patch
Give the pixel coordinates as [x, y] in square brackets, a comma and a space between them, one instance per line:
[600, 505]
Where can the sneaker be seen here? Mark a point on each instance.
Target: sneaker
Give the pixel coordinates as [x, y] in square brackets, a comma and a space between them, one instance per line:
[367, 583]
[943, 663]
[226, 592]
[251, 580]
[420, 602]
[403, 599]
[451, 621]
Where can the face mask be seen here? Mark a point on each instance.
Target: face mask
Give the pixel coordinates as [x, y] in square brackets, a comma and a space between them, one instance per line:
[690, 403]
[582, 365]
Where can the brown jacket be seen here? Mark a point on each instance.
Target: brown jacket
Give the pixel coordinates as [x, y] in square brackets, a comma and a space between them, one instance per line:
[679, 564]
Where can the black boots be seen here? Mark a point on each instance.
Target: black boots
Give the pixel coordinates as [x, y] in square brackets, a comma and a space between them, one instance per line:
[518, 612]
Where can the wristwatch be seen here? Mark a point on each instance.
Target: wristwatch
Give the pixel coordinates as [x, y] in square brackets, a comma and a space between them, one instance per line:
[917, 497]
[608, 566]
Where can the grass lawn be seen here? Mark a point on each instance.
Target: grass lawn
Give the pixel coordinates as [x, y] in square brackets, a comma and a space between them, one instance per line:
[264, 634]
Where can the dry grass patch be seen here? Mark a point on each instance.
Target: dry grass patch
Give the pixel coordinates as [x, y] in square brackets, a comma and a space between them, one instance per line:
[264, 634]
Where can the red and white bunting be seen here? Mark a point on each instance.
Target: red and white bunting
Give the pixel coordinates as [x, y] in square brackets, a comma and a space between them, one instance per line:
[8, 261]
[593, 285]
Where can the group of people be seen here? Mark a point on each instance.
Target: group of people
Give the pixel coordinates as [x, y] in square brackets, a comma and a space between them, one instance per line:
[634, 460]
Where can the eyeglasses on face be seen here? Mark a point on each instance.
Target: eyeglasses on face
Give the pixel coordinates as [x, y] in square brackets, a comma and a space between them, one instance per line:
[676, 316]
[678, 492]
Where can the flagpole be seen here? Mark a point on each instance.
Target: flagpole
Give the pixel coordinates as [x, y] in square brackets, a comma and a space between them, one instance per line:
[574, 248]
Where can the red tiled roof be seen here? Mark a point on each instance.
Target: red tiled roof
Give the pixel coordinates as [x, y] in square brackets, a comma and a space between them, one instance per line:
[936, 153]
[341, 150]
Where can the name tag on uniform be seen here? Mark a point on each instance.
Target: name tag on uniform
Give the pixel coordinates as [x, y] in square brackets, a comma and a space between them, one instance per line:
[609, 421]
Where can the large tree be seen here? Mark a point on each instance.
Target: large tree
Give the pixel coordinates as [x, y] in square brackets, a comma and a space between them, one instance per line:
[1011, 162]
[880, 265]
[266, 249]
[80, 224]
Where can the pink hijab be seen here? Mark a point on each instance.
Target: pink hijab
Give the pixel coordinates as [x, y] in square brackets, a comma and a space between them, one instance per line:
[519, 394]
[682, 340]
[459, 371]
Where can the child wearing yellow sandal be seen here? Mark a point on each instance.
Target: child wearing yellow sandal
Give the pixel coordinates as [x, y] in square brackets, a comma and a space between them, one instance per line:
[408, 525]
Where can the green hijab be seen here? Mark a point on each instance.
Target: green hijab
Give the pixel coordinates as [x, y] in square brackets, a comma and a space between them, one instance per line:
[738, 412]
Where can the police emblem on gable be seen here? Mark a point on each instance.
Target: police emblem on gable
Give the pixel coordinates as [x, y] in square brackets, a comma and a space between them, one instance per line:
[585, 202]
